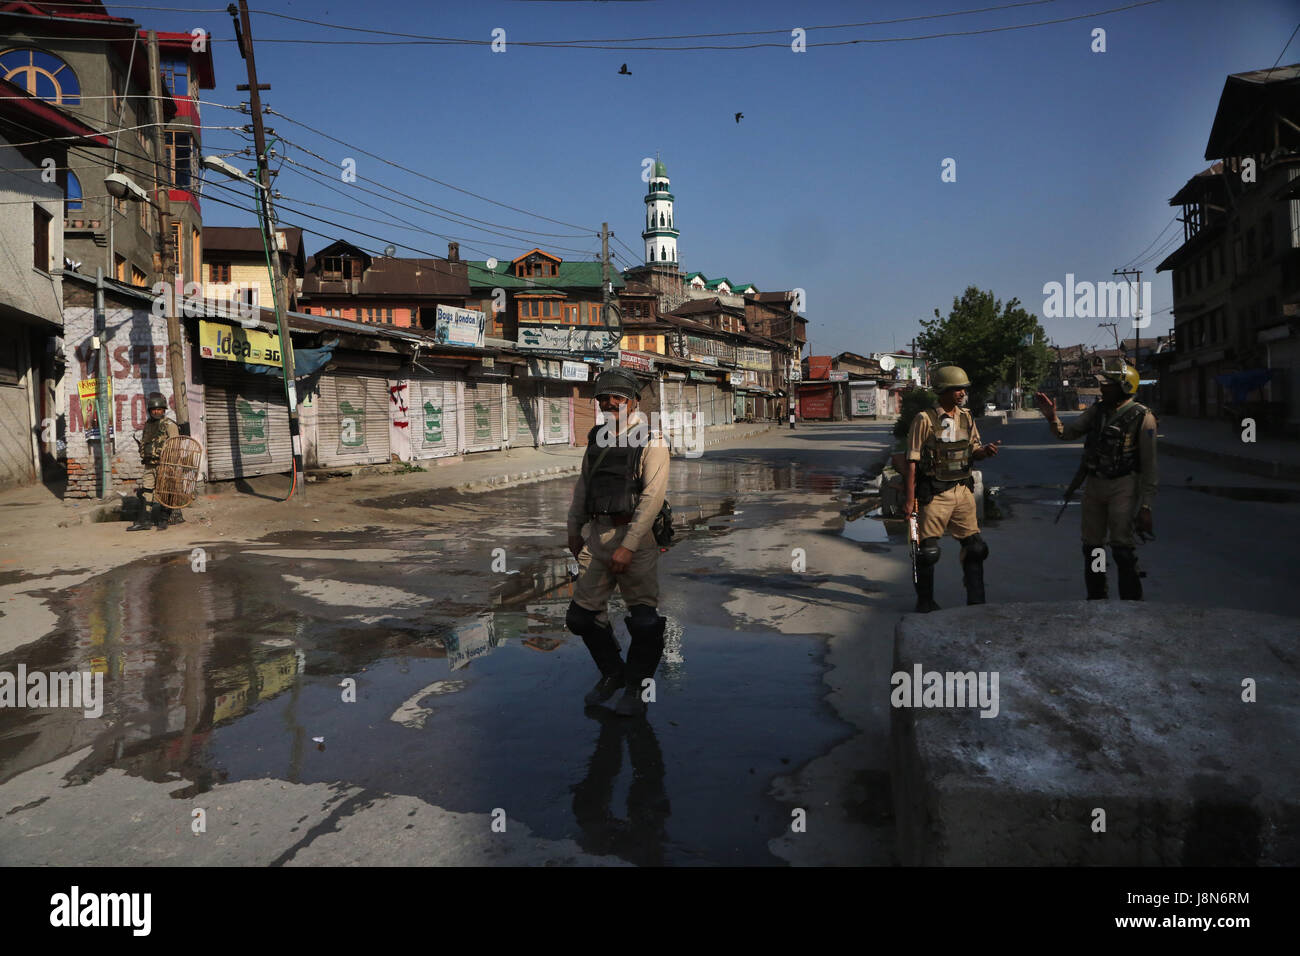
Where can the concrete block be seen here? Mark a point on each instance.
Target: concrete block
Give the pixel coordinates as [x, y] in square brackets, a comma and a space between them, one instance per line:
[1133, 709]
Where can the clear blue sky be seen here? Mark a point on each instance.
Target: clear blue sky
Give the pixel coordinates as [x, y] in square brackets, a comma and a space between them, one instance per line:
[1065, 158]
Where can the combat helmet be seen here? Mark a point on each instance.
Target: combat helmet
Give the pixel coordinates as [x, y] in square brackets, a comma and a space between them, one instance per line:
[1121, 374]
[156, 400]
[617, 381]
[949, 376]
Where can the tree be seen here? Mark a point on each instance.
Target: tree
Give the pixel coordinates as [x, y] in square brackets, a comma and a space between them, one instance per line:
[985, 337]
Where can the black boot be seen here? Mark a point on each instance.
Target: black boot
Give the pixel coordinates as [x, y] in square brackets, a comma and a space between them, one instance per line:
[643, 656]
[164, 520]
[973, 578]
[925, 588]
[1095, 581]
[142, 517]
[1130, 580]
[605, 652]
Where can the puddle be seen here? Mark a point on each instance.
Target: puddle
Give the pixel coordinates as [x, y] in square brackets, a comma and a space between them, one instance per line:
[465, 683]
[867, 530]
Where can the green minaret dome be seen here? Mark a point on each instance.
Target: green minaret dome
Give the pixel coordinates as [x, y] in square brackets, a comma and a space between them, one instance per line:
[660, 169]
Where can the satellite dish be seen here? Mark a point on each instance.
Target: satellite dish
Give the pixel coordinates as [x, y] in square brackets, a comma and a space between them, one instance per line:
[887, 363]
[390, 251]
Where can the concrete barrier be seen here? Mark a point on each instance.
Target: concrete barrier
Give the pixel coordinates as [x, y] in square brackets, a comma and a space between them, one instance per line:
[1134, 710]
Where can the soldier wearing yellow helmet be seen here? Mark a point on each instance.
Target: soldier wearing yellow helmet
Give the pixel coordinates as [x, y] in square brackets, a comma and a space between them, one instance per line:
[1119, 462]
[942, 443]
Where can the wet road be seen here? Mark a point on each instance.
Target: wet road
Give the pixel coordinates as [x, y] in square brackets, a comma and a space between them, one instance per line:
[426, 657]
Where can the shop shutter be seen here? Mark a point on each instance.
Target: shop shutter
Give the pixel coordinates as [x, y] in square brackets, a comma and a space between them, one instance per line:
[584, 413]
[555, 414]
[352, 420]
[434, 411]
[522, 412]
[484, 430]
[247, 420]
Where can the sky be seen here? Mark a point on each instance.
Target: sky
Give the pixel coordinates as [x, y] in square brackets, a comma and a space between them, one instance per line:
[1065, 158]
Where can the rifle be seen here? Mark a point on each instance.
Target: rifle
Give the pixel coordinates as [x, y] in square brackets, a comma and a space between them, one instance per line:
[1075, 482]
[914, 543]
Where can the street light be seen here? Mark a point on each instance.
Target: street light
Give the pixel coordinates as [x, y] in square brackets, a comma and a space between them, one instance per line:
[123, 187]
[219, 165]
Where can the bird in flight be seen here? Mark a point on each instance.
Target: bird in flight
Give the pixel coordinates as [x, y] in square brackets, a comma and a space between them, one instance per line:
[739, 117]
[624, 71]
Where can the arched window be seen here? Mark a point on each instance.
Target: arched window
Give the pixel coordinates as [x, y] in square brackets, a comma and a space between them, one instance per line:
[74, 192]
[41, 74]
[663, 253]
[661, 219]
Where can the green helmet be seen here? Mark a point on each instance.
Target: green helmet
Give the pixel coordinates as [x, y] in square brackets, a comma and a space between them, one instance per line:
[1121, 374]
[949, 376]
[156, 400]
[617, 381]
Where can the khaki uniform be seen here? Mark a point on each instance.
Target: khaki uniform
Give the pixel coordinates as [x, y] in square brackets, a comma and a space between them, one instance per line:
[953, 510]
[640, 583]
[154, 436]
[1110, 504]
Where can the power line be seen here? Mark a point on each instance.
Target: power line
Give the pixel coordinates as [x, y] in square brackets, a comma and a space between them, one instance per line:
[576, 45]
[439, 182]
[1172, 220]
[687, 36]
[441, 209]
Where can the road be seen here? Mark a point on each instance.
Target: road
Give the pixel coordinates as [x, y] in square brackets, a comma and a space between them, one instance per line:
[233, 732]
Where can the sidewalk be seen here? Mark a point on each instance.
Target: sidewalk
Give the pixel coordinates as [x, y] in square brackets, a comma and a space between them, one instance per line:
[36, 507]
[1216, 442]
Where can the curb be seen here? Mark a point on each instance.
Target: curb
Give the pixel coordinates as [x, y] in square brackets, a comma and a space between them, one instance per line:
[1242, 463]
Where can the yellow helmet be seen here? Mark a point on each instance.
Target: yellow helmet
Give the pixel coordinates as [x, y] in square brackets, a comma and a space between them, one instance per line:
[1122, 374]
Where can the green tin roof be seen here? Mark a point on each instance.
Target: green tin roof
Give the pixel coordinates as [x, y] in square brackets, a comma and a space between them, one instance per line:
[573, 275]
[714, 283]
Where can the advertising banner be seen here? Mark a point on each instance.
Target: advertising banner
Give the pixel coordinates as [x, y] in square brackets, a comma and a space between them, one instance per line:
[552, 338]
[230, 343]
[88, 394]
[575, 371]
[453, 326]
[638, 362]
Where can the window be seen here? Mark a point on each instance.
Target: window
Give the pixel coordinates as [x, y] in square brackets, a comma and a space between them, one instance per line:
[594, 314]
[338, 268]
[138, 277]
[41, 238]
[570, 314]
[73, 192]
[175, 75]
[41, 74]
[219, 272]
[178, 249]
[119, 268]
[179, 153]
[249, 297]
[144, 215]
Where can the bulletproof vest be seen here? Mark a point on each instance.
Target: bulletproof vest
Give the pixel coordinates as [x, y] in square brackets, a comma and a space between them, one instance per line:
[947, 460]
[153, 439]
[612, 483]
[1111, 449]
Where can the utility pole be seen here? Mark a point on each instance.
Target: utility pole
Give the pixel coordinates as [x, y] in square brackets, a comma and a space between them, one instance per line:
[1135, 299]
[244, 36]
[917, 378]
[604, 287]
[1113, 328]
[166, 267]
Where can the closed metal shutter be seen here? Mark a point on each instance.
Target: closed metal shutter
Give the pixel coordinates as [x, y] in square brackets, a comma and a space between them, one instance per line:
[434, 411]
[247, 421]
[484, 430]
[16, 432]
[352, 421]
[555, 414]
[584, 415]
[522, 421]
[671, 424]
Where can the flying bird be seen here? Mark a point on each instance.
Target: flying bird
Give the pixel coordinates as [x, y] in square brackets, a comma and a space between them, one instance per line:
[739, 117]
[624, 71]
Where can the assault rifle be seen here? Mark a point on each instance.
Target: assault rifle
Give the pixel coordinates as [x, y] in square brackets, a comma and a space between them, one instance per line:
[1075, 482]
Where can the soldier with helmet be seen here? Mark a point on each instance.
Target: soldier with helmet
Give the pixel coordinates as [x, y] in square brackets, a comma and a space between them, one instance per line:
[156, 431]
[1119, 462]
[619, 493]
[942, 444]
